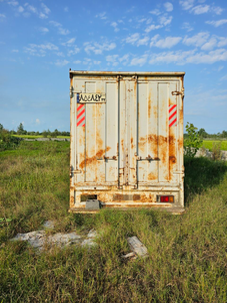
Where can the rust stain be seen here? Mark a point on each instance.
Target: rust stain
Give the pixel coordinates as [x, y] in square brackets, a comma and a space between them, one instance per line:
[136, 197]
[71, 201]
[172, 154]
[93, 159]
[122, 143]
[151, 177]
[132, 142]
[149, 106]
[146, 198]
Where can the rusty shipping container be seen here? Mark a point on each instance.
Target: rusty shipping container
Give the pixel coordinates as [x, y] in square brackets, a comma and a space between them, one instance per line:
[126, 139]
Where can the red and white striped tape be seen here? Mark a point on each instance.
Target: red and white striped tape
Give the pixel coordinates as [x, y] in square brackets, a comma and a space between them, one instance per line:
[172, 115]
[80, 118]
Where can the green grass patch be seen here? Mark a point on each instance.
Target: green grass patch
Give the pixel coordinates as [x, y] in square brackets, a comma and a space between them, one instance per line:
[187, 254]
[209, 144]
[40, 136]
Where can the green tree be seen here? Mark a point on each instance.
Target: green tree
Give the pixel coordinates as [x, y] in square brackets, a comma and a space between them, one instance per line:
[46, 133]
[224, 134]
[20, 129]
[1, 127]
[193, 141]
[202, 133]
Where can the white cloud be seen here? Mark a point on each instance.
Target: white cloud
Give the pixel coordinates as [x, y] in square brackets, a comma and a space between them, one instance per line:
[61, 30]
[96, 62]
[44, 30]
[77, 62]
[114, 60]
[186, 4]
[139, 60]
[222, 41]
[218, 10]
[200, 9]
[101, 16]
[37, 121]
[133, 38]
[15, 51]
[124, 59]
[20, 9]
[220, 68]
[184, 57]
[143, 41]
[98, 48]
[69, 42]
[165, 20]
[155, 12]
[115, 26]
[224, 78]
[217, 23]
[59, 54]
[66, 9]
[152, 27]
[87, 61]
[209, 44]
[168, 6]
[41, 13]
[168, 42]
[177, 57]
[45, 8]
[73, 51]
[187, 26]
[12, 2]
[2, 16]
[211, 57]
[40, 50]
[142, 20]
[32, 9]
[149, 21]
[130, 10]
[61, 62]
[196, 40]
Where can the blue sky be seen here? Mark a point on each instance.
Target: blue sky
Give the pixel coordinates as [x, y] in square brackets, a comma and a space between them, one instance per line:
[41, 40]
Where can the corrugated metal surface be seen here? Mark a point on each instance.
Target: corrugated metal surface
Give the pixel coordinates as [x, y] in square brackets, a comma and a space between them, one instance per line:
[126, 138]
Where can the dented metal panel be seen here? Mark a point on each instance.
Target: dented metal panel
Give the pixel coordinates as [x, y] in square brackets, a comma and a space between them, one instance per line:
[126, 138]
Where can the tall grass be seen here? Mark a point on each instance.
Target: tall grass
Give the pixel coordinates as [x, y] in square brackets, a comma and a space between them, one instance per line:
[187, 254]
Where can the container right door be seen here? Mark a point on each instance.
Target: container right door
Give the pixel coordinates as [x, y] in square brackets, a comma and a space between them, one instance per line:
[159, 103]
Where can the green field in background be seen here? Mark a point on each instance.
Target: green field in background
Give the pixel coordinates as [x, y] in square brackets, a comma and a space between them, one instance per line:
[40, 136]
[209, 144]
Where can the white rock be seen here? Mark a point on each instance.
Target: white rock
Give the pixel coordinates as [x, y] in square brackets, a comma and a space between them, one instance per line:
[49, 224]
[92, 234]
[88, 242]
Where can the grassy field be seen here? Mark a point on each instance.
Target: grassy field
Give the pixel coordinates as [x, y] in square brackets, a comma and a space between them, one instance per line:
[209, 144]
[35, 137]
[187, 254]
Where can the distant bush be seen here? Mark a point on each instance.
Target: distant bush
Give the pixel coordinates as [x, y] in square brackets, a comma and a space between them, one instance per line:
[7, 141]
[216, 151]
[192, 141]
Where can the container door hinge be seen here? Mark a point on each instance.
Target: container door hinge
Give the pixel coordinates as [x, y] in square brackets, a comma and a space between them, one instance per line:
[72, 171]
[177, 93]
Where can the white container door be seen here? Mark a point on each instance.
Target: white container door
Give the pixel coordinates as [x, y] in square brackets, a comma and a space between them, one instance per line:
[96, 132]
[149, 132]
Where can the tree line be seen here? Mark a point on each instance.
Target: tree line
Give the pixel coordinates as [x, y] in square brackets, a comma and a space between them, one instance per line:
[204, 135]
[45, 133]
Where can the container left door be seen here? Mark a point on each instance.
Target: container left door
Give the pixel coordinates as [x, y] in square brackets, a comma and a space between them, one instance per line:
[94, 133]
